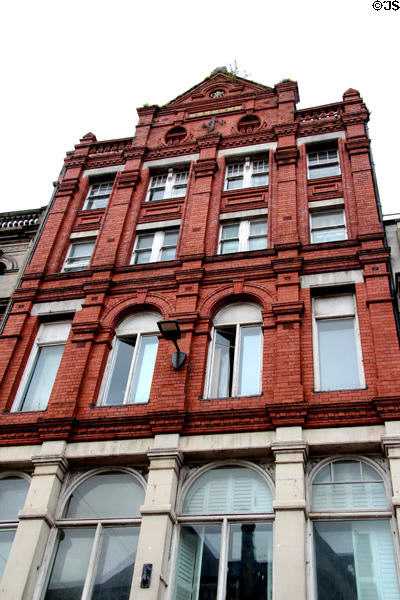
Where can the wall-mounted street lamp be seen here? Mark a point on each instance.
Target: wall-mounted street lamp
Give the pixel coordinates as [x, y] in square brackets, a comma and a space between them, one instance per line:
[170, 331]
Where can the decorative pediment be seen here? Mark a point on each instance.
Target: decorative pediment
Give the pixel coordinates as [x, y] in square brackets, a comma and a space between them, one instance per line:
[220, 86]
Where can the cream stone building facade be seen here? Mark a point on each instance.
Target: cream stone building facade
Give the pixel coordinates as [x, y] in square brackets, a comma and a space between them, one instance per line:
[289, 457]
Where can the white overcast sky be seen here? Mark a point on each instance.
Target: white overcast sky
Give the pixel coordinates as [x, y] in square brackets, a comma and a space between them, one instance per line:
[85, 65]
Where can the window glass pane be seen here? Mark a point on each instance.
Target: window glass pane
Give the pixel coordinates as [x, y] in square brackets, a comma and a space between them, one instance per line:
[144, 369]
[142, 257]
[249, 561]
[79, 250]
[229, 247]
[319, 236]
[168, 254]
[42, 377]
[259, 179]
[120, 372]
[258, 243]
[170, 238]
[324, 475]
[6, 540]
[157, 194]
[327, 218]
[228, 490]
[355, 561]
[234, 184]
[13, 491]
[116, 562]
[145, 241]
[346, 470]
[106, 495]
[337, 354]
[250, 361]
[324, 171]
[198, 561]
[70, 566]
[230, 231]
[258, 227]
[178, 190]
[222, 367]
[369, 474]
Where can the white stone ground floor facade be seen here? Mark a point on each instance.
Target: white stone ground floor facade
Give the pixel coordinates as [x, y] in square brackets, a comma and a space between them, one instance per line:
[186, 529]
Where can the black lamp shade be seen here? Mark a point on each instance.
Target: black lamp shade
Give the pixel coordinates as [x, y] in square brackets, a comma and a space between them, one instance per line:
[169, 330]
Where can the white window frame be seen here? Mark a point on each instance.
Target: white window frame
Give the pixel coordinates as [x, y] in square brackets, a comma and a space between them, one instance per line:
[246, 319]
[11, 525]
[357, 339]
[313, 169]
[331, 207]
[65, 523]
[84, 265]
[126, 331]
[45, 337]
[248, 163]
[332, 515]
[157, 246]
[217, 519]
[171, 181]
[243, 234]
[95, 194]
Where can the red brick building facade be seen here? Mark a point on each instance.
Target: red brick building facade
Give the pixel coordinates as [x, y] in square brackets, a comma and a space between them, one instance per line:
[254, 225]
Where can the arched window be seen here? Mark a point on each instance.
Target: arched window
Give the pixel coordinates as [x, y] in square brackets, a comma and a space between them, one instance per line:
[13, 491]
[131, 363]
[234, 362]
[353, 555]
[97, 539]
[225, 549]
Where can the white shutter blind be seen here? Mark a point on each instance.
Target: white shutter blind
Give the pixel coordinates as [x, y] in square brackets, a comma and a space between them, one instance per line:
[185, 569]
[228, 490]
[354, 495]
[374, 561]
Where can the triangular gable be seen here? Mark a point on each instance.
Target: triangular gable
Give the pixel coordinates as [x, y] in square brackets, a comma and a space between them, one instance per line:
[220, 80]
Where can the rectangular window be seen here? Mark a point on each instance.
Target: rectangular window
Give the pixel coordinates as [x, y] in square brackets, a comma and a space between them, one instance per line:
[132, 370]
[247, 173]
[41, 370]
[246, 553]
[100, 561]
[235, 361]
[171, 184]
[322, 162]
[78, 257]
[99, 194]
[355, 560]
[337, 345]
[243, 236]
[155, 247]
[328, 226]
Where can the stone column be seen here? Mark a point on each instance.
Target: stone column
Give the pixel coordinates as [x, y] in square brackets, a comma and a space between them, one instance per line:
[36, 520]
[158, 518]
[289, 575]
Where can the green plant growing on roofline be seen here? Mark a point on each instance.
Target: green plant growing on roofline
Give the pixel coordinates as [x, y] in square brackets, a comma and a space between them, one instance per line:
[286, 80]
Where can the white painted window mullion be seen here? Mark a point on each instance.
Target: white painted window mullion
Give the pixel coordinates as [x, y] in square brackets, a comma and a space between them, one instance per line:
[247, 172]
[169, 184]
[157, 244]
[93, 562]
[223, 560]
[133, 368]
[236, 359]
